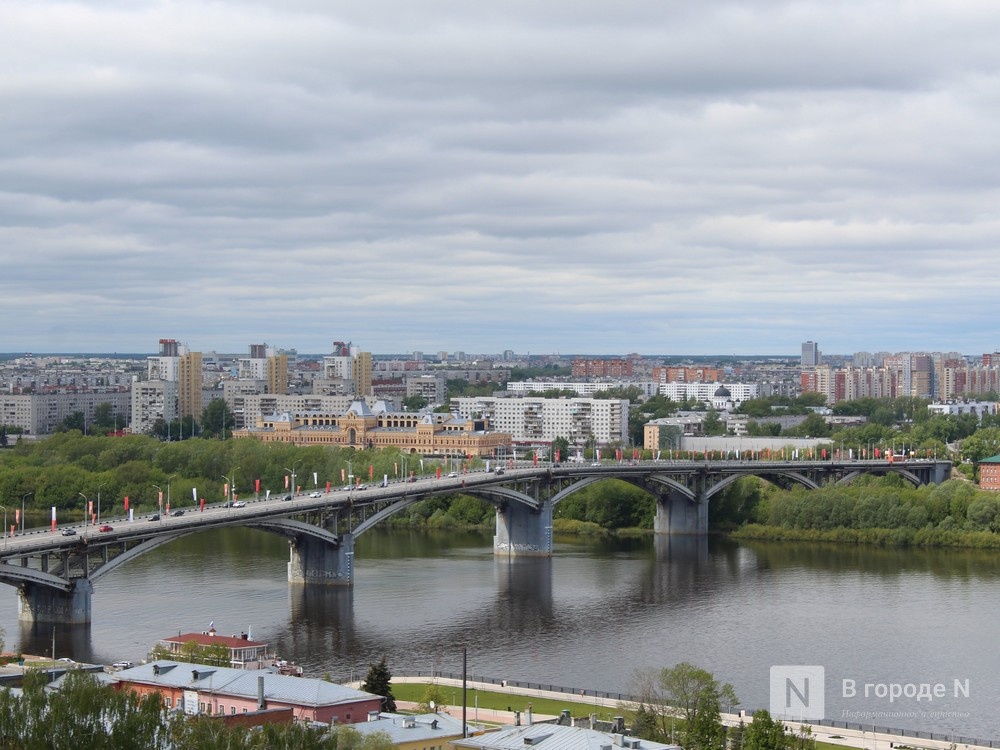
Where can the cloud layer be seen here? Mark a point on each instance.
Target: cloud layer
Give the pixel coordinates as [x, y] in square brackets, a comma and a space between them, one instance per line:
[548, 177]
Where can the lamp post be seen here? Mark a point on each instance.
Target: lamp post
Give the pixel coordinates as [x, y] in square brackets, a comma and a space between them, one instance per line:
[350, 474]
[5, 530]
[291, 471]
[230, 481]
[102, 484]
[23, 498]
[86, 509]
[159, 501]
[168, 488]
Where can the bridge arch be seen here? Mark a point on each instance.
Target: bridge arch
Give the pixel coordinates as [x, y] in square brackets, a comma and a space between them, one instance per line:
[55, 577]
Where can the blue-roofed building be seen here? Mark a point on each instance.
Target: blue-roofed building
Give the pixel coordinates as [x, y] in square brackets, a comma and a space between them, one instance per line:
[556, 737]
[218, 691]
[419, 732]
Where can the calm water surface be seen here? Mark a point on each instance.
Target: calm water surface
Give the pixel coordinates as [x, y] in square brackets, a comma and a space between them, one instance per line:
[587, 618]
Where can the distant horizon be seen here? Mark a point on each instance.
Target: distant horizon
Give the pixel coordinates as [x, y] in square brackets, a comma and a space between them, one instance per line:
[432, 354]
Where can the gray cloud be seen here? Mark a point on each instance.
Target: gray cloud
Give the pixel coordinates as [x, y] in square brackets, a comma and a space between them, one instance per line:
[575, 177]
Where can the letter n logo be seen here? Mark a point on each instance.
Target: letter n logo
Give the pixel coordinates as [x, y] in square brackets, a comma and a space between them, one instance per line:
[797, 692]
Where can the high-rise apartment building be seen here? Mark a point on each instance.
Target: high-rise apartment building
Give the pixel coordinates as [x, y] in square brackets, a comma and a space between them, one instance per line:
[361, 369]
[810, 354]
[277, 373]
[189, 384]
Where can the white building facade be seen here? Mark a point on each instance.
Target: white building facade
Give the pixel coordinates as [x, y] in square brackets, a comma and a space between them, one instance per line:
[532, 420]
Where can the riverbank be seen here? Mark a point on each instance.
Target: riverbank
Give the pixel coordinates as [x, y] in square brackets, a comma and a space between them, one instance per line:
[876, 537]
[584, 703]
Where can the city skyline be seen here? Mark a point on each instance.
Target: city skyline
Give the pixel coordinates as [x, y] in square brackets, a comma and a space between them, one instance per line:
[707, 179]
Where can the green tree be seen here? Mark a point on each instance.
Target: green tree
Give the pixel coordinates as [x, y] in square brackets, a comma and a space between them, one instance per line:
[414, 403]
[706, 731]
[433, 694]
[712, 424]
[685, 692]
[74, 421]
[764, 733]
[216, 419]
[379, 682]
[561, 446]
[104, 418]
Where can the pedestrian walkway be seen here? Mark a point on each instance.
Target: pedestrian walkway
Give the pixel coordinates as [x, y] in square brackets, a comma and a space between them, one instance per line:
[856, 738]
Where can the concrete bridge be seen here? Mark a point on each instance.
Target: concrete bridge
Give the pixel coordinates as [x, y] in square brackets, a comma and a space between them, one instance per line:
[55, 574]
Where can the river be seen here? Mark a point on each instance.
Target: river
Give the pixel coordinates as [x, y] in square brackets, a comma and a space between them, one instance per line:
[589, 617]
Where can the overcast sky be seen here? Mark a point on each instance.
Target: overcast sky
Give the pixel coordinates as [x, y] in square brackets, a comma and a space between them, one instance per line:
[549, 177]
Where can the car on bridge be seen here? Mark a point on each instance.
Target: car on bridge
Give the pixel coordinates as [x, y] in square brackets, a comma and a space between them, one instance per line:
[453, 474]
[69, 532]
[105, 528]
[315, 494]
[286, 498]
[177, 513]
[154, 517]
[239, 504]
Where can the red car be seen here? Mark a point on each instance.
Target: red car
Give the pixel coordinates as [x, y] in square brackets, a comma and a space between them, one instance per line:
[105, 527]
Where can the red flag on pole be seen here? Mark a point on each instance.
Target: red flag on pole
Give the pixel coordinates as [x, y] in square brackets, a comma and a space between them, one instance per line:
[256, 485]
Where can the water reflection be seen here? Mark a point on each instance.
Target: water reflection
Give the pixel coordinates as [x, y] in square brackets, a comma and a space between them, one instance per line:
[587, 617]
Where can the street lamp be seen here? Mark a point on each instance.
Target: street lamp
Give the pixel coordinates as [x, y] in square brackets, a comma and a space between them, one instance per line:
[86, 509]
[23, 498]
[159, 499]
[102, 484]
[230, 481]
[168, 488]
[291, 471]
[5, 531]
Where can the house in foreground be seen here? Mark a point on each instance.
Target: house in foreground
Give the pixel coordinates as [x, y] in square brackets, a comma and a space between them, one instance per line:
[420, 732]
[550, 736]
[198, 689]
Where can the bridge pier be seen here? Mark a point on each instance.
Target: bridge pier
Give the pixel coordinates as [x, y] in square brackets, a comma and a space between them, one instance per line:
[677, 514]
[314, 561]
[522, 530]
[38, 603]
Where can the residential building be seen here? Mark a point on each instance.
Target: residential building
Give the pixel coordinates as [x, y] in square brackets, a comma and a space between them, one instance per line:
[582, 387]
[548, 736]
[706, 392]
[537, 421]
[198, 689]
[417, 732]
[152, 400]
[602, 368]
[189, 401]
[243, 653]
[687, 374]
[42, 413]
[430, 387]
[989, 473]
[810, 354]
[978, 409]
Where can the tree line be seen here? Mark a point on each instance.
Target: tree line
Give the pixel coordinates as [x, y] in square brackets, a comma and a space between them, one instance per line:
[84, 713]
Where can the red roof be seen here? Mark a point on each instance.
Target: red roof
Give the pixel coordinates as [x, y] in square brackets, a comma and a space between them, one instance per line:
[207, 639]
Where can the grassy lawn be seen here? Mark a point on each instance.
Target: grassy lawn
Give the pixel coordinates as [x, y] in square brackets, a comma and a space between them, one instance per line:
[506, 701]
[503, 701]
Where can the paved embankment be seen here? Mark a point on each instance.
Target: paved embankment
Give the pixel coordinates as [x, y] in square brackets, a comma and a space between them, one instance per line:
[605, 707]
